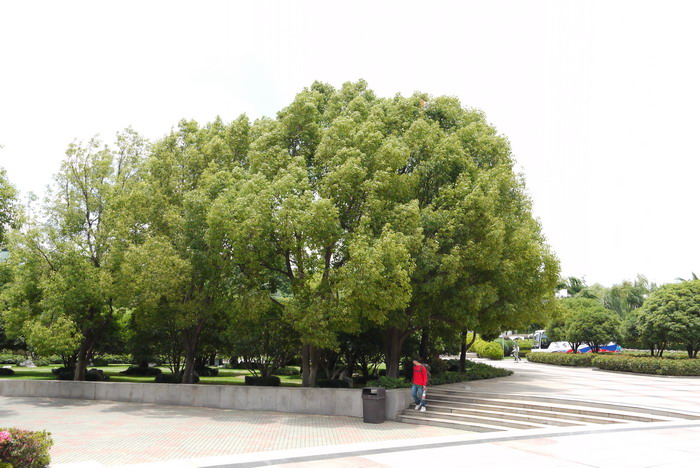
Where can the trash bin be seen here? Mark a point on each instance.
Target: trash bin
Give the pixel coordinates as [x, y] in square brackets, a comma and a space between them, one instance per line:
[374, 405]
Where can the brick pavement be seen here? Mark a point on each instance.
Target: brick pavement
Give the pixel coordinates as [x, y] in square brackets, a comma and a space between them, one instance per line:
[115, 433]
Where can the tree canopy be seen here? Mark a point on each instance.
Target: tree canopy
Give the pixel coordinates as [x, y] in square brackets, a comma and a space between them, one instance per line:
[345, 215]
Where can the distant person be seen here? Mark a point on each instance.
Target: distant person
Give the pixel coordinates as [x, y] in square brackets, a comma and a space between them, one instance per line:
[420, 384]
[516, 350]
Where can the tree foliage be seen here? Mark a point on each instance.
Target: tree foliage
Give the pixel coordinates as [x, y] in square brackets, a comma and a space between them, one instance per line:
[671, 315]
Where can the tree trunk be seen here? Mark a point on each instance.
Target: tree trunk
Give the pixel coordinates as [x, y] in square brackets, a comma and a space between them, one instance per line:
[305, 367]
[424, 339]
[394, 343]
[190, 339]
[463, 351]
[309, 365]
[87, 346]
[81, 363]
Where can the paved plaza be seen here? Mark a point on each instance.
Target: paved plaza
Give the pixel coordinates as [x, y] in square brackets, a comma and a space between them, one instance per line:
[91, 434]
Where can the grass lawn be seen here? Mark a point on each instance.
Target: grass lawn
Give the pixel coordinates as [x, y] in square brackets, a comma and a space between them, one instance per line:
[225, 377]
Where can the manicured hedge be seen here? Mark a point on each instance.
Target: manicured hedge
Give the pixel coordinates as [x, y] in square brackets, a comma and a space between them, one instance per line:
[4, 371]
[648, 365]
[25, 449]
[174, 379]
[142, 371]
[563, 359]
[289, 370]
[331, 383]
[474, 371]
[491, 350]
[389, 383]
[272, 381]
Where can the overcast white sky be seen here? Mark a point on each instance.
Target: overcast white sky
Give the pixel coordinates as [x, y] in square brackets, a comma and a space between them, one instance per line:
[600, 99]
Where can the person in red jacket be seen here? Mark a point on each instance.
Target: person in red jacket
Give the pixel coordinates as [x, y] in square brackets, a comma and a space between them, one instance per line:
[420, 383]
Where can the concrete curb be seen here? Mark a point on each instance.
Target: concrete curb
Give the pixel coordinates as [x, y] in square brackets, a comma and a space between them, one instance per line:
[325, 401]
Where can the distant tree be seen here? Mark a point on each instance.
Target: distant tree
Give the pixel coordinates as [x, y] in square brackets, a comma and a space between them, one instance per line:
[628, 295]
[9, 209]
[672, 314]
[590, 323]
[572, 284]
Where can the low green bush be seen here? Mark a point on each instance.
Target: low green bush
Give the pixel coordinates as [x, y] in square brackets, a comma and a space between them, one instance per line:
[525, 346]
[47, 361]
[4, 371]
[667, 354]
[207, 371]
[96, 375]
[389, 383]
[272, 381]
[12, 359]
[507, 346]
[481, 371]
[63, 373]
[563, 359]
[648, 365]
[491, 350]
[25, 449]
[330, 383]
[142, 371]
[289, 370]
[173, 378]
[362, 380]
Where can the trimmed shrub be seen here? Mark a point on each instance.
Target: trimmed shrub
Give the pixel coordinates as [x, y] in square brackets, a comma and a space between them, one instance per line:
[96, 375]
[507, 346]
[330, 383]
[100, 362]
[648, 365]
[525, 346]
[173, 379]
[389, 383]
[12, 359]
[63, 373]
[4, 371]
[362, 380]
[272, 381]
[25, 449]
[142, 371]
[563, 359]
[491, 350]
[47, 361]
[289, 370]
[207, 371]
[481, 371]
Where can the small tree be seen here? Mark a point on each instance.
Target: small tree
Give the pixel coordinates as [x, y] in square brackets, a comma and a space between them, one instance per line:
[672, 314]
[590, 323]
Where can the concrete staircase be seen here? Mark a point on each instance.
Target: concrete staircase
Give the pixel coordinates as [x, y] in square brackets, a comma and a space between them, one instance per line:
[488, 412]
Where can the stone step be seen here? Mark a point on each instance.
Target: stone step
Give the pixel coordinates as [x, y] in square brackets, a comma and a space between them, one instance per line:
[475, 419]
[466, 396]
[559, 411]
[563, 407]
[542, 418]
[432, 420]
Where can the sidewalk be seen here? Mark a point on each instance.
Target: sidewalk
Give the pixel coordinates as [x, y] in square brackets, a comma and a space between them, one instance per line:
[115, 433]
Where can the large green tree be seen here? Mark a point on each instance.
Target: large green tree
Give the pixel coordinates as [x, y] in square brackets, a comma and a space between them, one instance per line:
[390, 210]
[66, 263]
[180, 285]
[316, 218]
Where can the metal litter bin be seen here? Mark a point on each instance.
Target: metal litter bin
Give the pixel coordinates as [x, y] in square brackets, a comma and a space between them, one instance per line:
[374, 405]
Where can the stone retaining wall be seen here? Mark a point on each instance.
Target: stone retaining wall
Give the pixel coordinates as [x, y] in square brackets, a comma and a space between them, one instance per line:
[329, 401]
